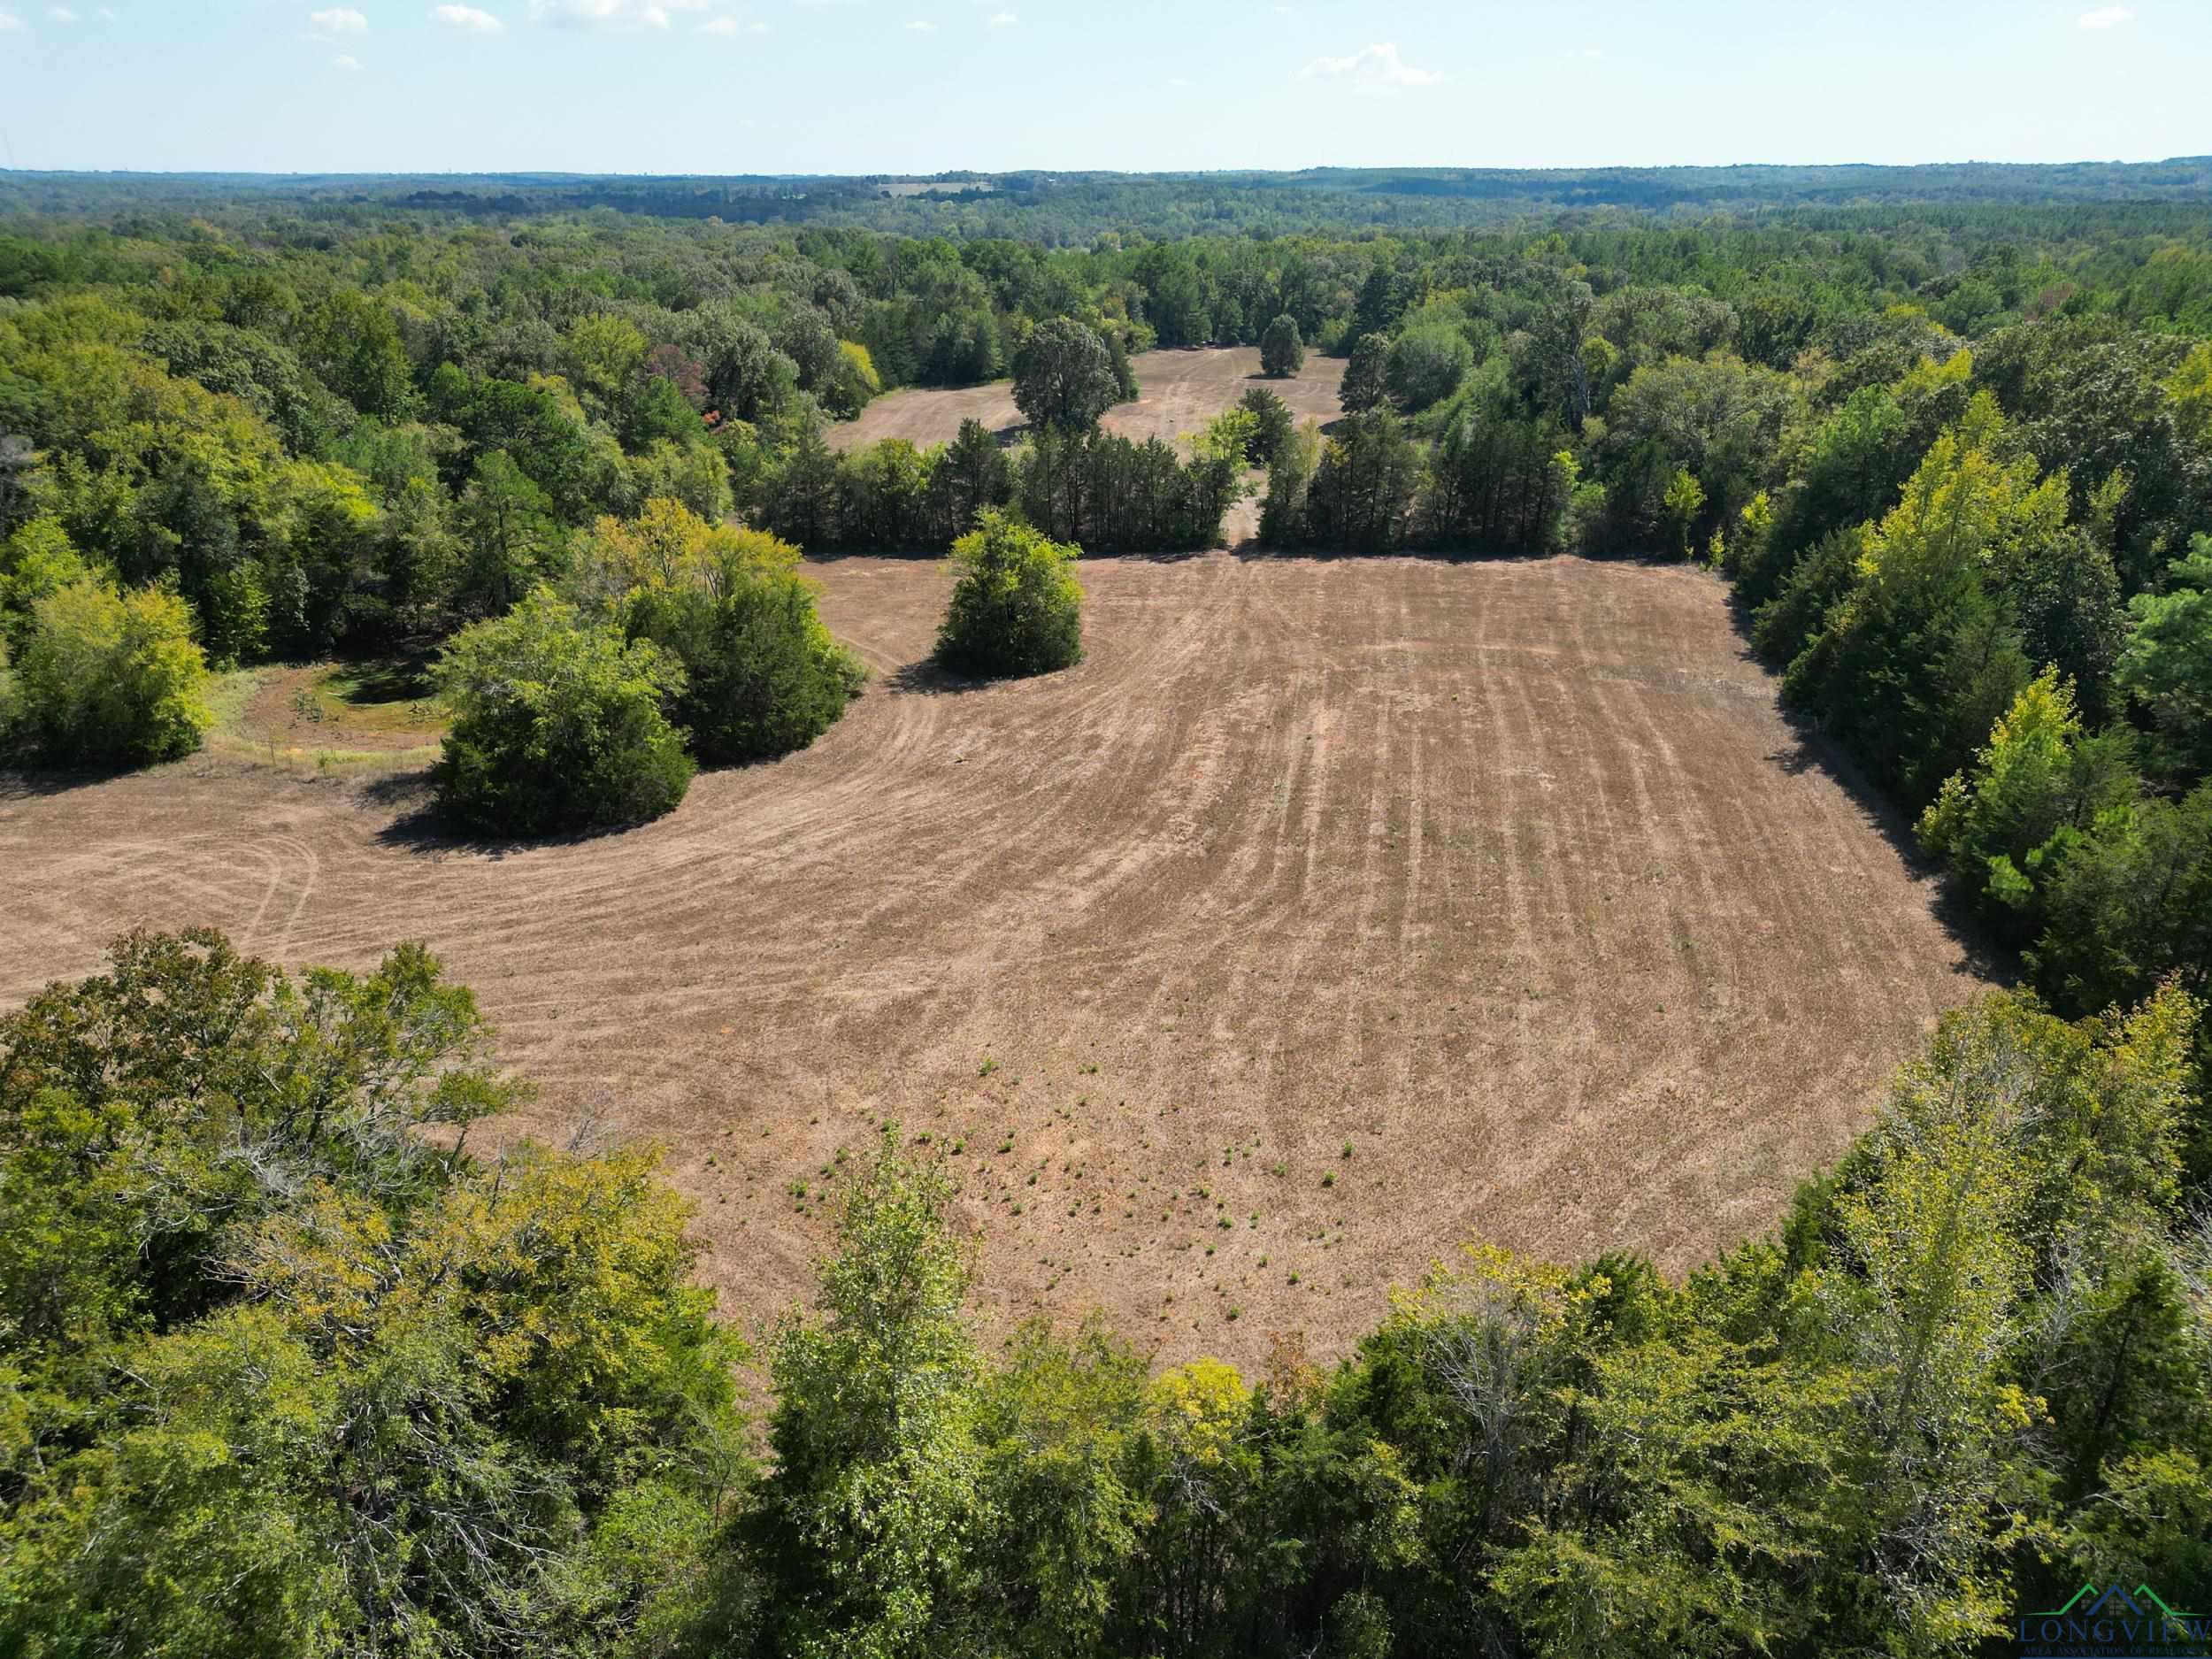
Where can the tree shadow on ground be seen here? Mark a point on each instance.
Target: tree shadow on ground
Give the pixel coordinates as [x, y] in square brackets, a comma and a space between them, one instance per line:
[927, 677]
[421, 828]
[1172, 556]
[1252, 547]
[833, 556]
[1812, 751]
[30, 783]
[398, 678]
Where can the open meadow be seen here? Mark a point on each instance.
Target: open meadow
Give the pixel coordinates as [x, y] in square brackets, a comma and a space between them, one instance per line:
[1330, 913]
[1178, 392]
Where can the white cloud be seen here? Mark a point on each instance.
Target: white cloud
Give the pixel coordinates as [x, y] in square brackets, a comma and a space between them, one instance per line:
[1375, 68]
[61, 14]
[651, 14]
[349, 64]
[338, 20]
[2105, 17]
[9, 20]
[1004, 20]
[467, 18]
[719, 26]
[926, 29]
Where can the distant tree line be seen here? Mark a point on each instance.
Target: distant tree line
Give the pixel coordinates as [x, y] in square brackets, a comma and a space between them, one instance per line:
[1072, 210]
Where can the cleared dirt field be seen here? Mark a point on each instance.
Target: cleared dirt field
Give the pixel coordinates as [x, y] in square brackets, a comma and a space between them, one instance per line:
[1510, 878]
[1178, 392]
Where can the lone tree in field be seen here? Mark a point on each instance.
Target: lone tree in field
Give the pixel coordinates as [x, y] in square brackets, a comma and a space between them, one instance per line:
[557, 724]
[1016, 608]
[1282, 350]
[1365, 381]
[1064, 377]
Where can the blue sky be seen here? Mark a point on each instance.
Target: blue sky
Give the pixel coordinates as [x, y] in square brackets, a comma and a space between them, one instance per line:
[864, 86]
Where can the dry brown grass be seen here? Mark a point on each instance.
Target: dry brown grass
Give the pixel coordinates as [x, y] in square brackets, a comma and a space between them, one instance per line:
[1509, 876]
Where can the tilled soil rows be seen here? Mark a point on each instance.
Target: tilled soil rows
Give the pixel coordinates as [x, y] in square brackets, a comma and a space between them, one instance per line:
[1331, 914]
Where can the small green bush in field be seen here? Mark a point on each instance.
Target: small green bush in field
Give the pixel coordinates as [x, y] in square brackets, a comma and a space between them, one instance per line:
[557, 724]
[1016, 608]
[111, 678]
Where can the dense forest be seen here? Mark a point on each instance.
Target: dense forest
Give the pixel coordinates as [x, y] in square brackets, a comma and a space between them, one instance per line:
[1953, 454]
[1074, 209]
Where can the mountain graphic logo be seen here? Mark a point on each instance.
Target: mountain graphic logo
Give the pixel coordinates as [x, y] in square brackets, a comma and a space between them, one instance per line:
[2115, 1602]
[2113, 1621]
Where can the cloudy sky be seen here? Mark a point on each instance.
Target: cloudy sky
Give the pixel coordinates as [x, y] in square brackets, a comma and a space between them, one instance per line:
[852, 86]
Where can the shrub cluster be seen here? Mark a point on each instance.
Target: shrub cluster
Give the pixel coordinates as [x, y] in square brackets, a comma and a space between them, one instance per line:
[1016, 608]
[686, 638]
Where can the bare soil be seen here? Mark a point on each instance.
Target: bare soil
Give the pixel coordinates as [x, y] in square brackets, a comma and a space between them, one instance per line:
[1508, 878]
[1178, 393]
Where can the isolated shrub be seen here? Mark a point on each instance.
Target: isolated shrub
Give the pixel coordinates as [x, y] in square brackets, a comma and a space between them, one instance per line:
[557, 724]
[763, 675]
[1016, 608]
[1282, 350]
[108, 678]
[1427, 365]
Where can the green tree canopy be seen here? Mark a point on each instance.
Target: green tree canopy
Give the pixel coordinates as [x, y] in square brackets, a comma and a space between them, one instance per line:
[1016, 607]
[762, 675]
[557, 724]
[1064, 376]
[111, 678]
[2167, 669]
[284, 1376]
[1366, 376]
[1427, 365]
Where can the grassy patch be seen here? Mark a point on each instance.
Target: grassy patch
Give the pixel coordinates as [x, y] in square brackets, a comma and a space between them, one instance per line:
[389, 695]
[381, 713]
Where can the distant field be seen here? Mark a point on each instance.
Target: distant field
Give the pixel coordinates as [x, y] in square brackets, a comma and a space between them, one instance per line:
[1178, 393]
[1508, 877]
